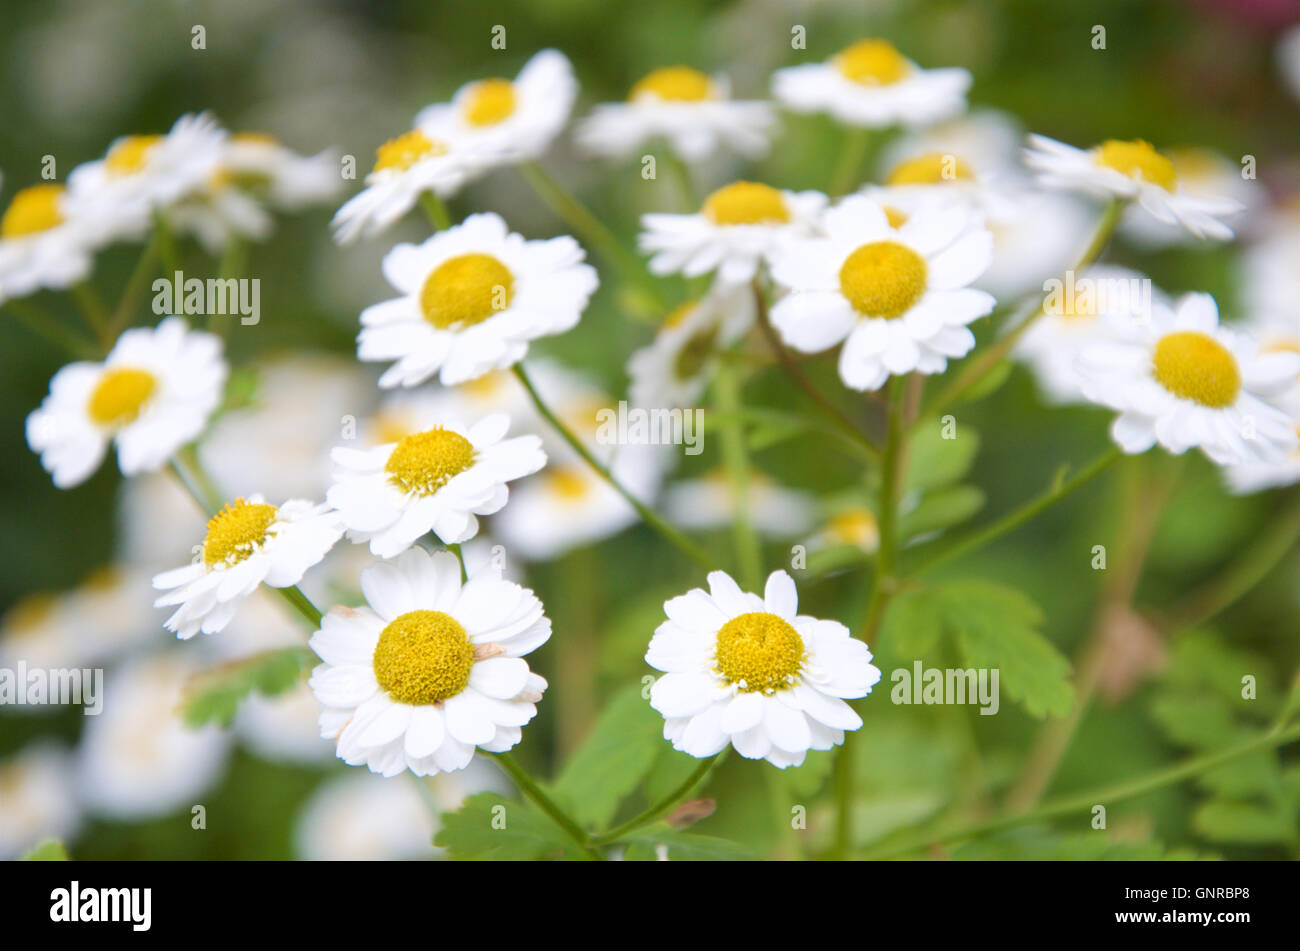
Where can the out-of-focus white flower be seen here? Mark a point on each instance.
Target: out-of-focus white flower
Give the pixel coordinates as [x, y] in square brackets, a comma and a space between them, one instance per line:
[710, 502]
[39, 803]
[284, 727]
[1201, 173]
[44, 243]
[854, 525]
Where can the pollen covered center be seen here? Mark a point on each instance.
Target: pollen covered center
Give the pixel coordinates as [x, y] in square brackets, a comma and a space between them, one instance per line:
[405, 150]
[119, 395]
[932, 168]
[466, 290]
[746, 203]
[759, 652]
[423, 657]
[236, 532]
[1197, 367]
[424, 462]
[883, 279]
[1137, 159]
[489, 101]
[32, 211]
[872, 63]
[673, 84]
[130, 155]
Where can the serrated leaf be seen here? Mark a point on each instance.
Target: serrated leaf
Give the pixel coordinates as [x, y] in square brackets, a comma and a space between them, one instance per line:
[663, 843]
[1227, 820]
[214, 696]
[934, 462]
[487, 826]
[941, 509]
[49, 850]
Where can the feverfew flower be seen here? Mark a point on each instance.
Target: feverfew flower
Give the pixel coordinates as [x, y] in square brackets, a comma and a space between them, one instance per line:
[152, 394]
[693, 111]
[1132, 171]
[248, 543]
[755, 673]
[737, 228]
[1183, 381]
[257, 163]
[871, 84]
[473, 297]
[896, 297]
[44, 243]
[431, 668]
[1201, 173]
[439, 480]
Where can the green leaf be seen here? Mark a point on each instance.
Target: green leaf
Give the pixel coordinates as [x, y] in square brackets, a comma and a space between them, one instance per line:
[913, 623]
[669, 770]
[49, 850]
[934, 462]
[1039, 844]
[1227, 820]
[487, 826]
[662, 842]
[987, 384]
[941, 509]
[1198, 721]
[214, 696]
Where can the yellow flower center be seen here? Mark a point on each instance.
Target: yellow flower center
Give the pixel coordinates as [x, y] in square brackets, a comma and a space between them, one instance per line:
[568, 483]
[895, 217]
[673, 84]
[677, 315]
[855, 526]
[1137, 159]
[883, 279]
[405, 150]
[130, 155]
[32, 211]
[466, 290]
[236, 531]
[424, 462]
[932, 168]
[253, 138]
[490, 101]
[872, 63]
[423, 657]
[119, 395]
[759, 652]
[1197, 367]
[746, 203]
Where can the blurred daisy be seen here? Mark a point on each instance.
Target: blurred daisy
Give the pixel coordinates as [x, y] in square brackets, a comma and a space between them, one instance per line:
[277, 175]
[1270, 282]
[754, 673]
[507, 121]
[852, 525]
[43, 242]
[710, 502]
[897, 298]
[218, 213]
[1183, 381]
[404, 412]
[431, 669]
[737, 228]
[1132, 171]
[1202, 174]
[283, 728]
[677, 365]
[872, 84]
[473, 297]
[692, 111]
[1249, 477]
[39, 799]
[248, 543]
[152, 394]
[436, 481]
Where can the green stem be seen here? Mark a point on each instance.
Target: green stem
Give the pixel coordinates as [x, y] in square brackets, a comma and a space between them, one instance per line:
[670, 533]
[167, 246]
[135, 285]
[455, 549]
[50, 330]
[852, 151]
[538, 797]
[687, 198]
[665, 805]
[726, 388]
[436, 210]
[94, 311]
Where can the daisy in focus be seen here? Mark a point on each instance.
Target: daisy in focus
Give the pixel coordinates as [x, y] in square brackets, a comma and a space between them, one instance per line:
[1183, 381]
[738, 228]
[430, 669]
[872, 85]
[1132, 171]
[694, 112]
[897, 298]
[152, 394]
[754, 673]
[248, 543]
[473, 297]
[44, 243]
[439, 481]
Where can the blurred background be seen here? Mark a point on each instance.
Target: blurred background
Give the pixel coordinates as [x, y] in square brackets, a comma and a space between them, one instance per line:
[74, 565]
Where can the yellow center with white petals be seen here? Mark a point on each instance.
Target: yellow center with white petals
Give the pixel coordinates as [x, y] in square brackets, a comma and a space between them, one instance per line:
[236, 532]
[1197, 367]
[405, 150]
[569, 484]
[489, 101]
[932, 168]
[466, 290]
[119, 395]
[746, 203]
[32, 211]
[1137, 160]
[423, 463]
[855, 526]
[759, 652]
[883, 279]
[673, 84]
[872, 63]
[130, 155]
[423, 657]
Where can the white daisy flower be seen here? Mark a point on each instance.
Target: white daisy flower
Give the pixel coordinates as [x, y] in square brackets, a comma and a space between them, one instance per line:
[257, 163]
[403, 412]
[44, 243]
[1202, 174]
[248, 543]
[152, 394]
[219, 212]
[694, 112]
[473, 297]
[507, 121]
[736, 229]
[40, 800]
[710, 502]
[897, 298]
[1132, 171]
[435, 481]
[851, 525]
[673, 370]
[283, 728]
[755, 673]
[1183, 381]
[1270, 281]
[872, 84]
[431, 669]
[1249, 477]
